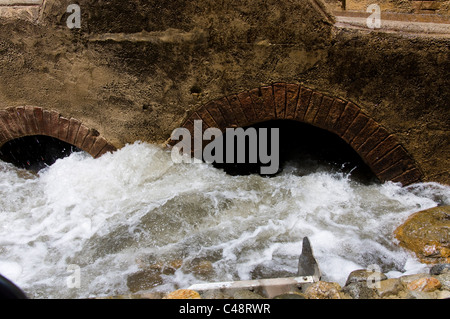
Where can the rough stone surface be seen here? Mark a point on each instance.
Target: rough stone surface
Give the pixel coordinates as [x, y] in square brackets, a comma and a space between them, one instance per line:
[360, 290]
[323, 290]
[135, 70]
[440, 269]
[183, 294]
[444, 279]
[389, 287]
[363, 275]
[427, 234]
[427, 284]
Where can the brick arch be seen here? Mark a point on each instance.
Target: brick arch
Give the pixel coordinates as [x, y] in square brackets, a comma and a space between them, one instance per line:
[16, 122]
[379, 149]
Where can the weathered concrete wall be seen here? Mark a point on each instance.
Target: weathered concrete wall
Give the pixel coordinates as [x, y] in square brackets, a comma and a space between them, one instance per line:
[136, 70]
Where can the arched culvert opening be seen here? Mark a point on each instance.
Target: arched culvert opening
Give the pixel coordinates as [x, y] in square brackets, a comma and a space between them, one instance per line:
[303, 148]
[35, 152]
[31, 137]
[379, 149]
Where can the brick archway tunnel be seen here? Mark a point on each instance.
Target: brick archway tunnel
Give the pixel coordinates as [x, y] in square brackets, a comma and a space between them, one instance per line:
[17, 122]
[377, 147]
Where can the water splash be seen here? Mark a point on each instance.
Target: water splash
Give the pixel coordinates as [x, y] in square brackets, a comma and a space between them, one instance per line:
[106, 215]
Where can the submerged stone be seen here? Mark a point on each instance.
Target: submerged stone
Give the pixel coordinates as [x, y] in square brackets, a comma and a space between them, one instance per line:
[427, 234]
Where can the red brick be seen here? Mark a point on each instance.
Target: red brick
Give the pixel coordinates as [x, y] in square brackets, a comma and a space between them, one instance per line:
[227, 112]
[379, 135]
[346, 118]
[279, 92]
[21, 120]
[206, 117]
[74, 126]
[357, 125]
[334, 114]
[89, 141]
[4, 120]
[235, 104]
[302, 103]
[258, 104]
[268, 102]
[98, 146]
[322, 114]
[109, 148]
[39, 117]
[313, 108]
[381, 149]
[247, 106]
[292, 91]
[391, 158]
[30, 120]
[63, 128]
[47, 128]
[15, 124]
[395, 170]
[5, 135]
[54, 124]
[196, 117]
[367, 131]
[81, 135]
[216, 114]
[409, 177]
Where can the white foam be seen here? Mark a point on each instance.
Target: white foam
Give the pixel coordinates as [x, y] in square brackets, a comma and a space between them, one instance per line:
[102, 214]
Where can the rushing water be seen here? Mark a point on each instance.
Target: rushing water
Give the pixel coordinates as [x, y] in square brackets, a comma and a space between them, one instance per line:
[114, 215]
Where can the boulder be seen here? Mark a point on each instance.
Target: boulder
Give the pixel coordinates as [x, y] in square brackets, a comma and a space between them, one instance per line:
[360, 290]
[389, 287]
[427, 234]
[425, 284]
[364, 275]
[440, 269]
[323, 290]
[183, 294]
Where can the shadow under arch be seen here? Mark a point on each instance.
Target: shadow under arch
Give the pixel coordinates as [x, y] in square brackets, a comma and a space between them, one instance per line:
[27, 121]
[379, 149]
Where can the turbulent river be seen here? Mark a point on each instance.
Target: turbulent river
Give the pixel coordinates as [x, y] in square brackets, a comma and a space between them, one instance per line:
[108, 218]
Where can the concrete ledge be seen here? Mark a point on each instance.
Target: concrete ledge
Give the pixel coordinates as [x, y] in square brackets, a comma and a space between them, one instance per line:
[411, 27]
[267, 287]
[20, 2]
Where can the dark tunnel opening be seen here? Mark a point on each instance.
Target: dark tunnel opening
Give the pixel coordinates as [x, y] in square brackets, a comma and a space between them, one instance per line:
[35, 152]
[305, 147]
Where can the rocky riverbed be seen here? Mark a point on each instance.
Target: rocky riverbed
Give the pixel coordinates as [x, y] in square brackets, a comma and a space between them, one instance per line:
[361, 284]
[425, 233]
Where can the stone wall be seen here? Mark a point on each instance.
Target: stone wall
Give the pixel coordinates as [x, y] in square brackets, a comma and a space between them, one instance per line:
[136, 70]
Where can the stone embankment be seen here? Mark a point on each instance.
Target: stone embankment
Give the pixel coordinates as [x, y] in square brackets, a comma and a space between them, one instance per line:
[425, 233]
[359, 285]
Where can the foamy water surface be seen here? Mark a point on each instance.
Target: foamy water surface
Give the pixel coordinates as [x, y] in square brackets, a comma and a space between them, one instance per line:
[106, 216]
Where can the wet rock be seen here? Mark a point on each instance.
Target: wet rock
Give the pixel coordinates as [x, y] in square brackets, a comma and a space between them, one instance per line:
[291, 295]
[364, 275]
[307, 264]
[444, 294]
[444, 279]
[421, 295]
[151, 275]
[389, 287]
[246, 294]
[200, 267]
[143, 280]
[405, 280]
[426, 284]
[214, 294]
[426, 233]
[440, 269]
[360, 290]
[183, 294]
[323, 290]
